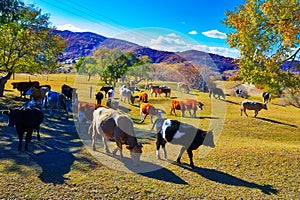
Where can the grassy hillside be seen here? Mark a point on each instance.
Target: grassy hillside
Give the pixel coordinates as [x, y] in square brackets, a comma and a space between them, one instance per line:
[254, 158]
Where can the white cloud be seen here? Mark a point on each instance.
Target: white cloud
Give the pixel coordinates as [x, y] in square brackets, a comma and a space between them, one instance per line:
[215, 34]
[172, 35]
[193, 32]
[177, 45]
[71, 27]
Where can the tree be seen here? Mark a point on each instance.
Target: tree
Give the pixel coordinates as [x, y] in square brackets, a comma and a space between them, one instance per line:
[87, 65]
[141, 70]
[27, 42]
[267, 33]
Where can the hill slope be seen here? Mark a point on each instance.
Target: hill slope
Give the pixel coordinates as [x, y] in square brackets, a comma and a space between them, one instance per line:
[83, 44]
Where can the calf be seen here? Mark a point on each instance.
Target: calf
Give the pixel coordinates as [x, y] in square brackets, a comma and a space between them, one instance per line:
[251, 105]
[148, 109]
[185, 135]
[266, 97]
[25, 119]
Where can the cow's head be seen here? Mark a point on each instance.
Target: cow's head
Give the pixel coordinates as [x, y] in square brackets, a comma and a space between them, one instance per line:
[135, 153]
[208, 139]
[264, 106]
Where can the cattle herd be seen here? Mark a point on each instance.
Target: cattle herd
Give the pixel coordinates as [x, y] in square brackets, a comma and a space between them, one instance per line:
[111, 123]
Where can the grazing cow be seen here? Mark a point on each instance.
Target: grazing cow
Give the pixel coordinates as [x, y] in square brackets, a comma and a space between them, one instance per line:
[183, 86]
[159, 90]
[185, 135]
[26, 119]
[58, 101]
[187, 104]
[143, 97]
[106, 89]
[99, 97]
[115, 125]
[127, 94]
[148, 109]
[166, 90]
[69, 92]
[251, 105]
[266, 97]
[23, 87]
[216, 92]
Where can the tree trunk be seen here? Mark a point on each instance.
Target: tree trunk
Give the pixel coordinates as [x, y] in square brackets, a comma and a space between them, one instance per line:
[3, 81]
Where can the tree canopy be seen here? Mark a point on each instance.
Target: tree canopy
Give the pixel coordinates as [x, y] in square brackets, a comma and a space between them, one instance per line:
[27, 42]
[112, 65]
[267, 33]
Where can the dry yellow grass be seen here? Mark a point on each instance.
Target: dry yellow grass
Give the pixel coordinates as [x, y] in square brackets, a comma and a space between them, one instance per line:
[254, 158]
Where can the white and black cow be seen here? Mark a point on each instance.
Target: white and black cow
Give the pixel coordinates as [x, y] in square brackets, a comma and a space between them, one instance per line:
[266, 97]
[25, 119]
[185, 135]
[56, 100]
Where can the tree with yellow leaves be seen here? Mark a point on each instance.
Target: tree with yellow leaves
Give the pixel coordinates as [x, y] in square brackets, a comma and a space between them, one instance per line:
[267, 33]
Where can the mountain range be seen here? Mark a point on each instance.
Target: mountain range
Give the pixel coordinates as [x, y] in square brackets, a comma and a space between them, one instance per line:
[81, 44]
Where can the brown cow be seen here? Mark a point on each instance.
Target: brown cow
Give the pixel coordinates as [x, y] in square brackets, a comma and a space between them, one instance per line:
[23, 87]
[115, 125]
[148, 109]
[143, 97]
[187, 104]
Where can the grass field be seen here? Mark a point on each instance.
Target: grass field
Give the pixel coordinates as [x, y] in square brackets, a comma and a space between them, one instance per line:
[254, 158]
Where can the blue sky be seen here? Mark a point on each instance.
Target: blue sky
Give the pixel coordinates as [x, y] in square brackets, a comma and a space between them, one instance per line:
[160, 24]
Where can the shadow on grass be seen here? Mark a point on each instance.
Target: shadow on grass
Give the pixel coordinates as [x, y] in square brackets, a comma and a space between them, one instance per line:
[224, 178]
[54, 154]
[276, 122]
[228, 101]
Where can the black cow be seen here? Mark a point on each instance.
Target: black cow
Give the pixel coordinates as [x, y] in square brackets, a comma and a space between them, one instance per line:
[69, 92]
[185, 135]
[25, 119]
[99, 97]
[266, 97]
[23, 87]
[106, 89]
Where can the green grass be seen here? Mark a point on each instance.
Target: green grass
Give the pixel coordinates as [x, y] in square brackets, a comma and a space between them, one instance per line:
[254, 158]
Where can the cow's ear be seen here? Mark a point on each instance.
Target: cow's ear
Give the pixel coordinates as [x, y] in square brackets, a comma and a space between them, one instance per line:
[5, 112]
[204, 134]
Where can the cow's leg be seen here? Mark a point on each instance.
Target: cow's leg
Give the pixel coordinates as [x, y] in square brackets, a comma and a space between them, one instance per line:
[255, 113]
[20, 134]
[180, 155]
[105, 145]
[38, 134]
[190, 153]
[163, 145]
[27, 139]
[142, 116]
[94, 137]
[158, 143]
[245, 112]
